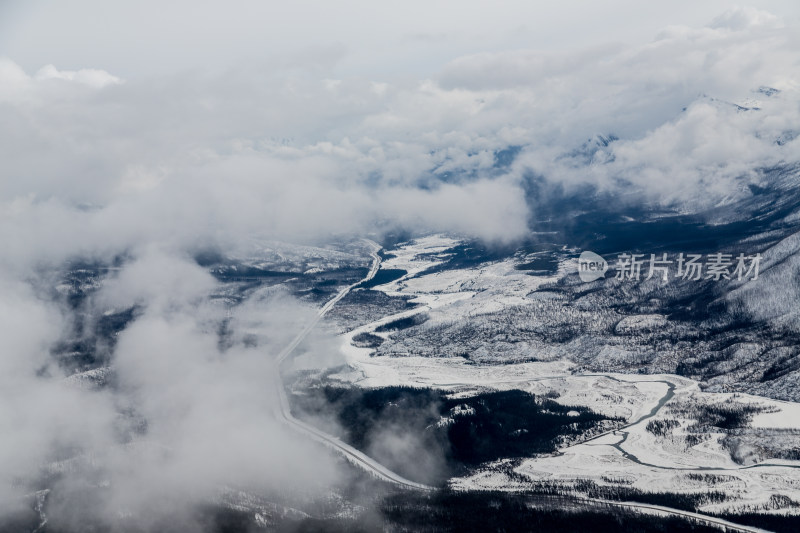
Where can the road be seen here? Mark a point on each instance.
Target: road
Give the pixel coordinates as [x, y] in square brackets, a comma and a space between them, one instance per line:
[284, 412]
[660, 509]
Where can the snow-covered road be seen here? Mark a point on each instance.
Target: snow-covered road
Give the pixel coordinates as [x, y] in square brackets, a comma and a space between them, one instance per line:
[284, 412]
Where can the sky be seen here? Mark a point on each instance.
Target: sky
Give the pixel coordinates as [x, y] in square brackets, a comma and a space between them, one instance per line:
[350, 38]
[154, 129]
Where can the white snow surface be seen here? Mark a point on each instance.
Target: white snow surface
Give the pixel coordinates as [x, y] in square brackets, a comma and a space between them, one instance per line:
[650, 462]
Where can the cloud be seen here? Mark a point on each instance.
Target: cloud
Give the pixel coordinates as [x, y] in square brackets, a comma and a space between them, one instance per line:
[186, 416]
[210, 406]
[219, 151]
[685, 111]
[94, 78]
[740, 18]
[41, 418]
[302, 156]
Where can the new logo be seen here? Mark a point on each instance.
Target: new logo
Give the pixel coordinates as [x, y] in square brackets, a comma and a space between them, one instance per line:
[591, 266]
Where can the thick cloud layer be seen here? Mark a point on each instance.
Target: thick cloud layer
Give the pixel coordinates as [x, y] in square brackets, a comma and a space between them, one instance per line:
[283, 153]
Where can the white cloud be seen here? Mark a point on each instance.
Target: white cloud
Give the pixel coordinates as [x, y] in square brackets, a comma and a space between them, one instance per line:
[740, 18]
[92, 77]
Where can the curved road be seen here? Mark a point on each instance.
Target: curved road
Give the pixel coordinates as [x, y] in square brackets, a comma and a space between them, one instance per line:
[705, 519]
[284, 412]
